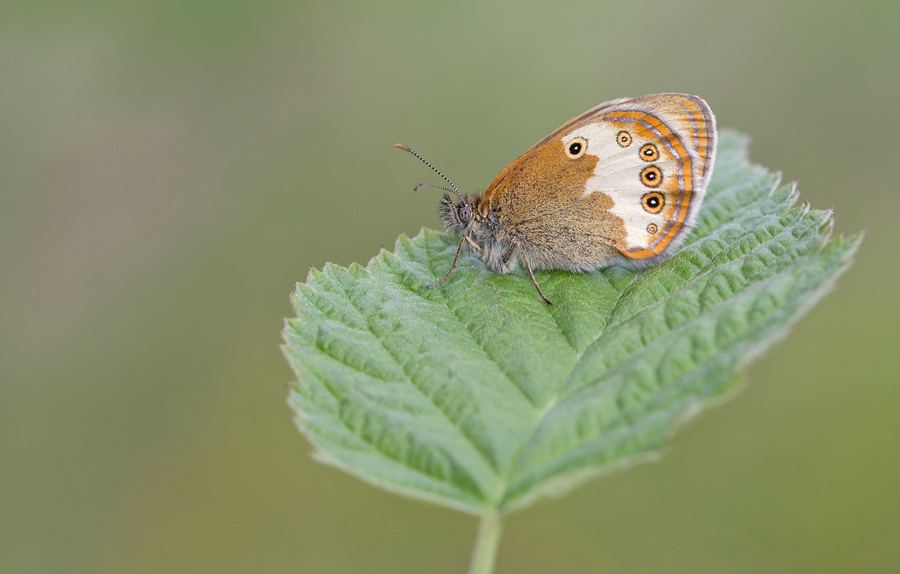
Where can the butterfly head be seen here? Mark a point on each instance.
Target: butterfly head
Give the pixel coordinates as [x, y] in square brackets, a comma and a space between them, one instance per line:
[457, 216]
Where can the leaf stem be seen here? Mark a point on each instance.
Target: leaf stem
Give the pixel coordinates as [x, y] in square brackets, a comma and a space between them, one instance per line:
[486, 543]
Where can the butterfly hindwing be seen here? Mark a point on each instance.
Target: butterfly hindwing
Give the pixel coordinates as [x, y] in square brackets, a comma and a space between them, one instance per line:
[654, 157]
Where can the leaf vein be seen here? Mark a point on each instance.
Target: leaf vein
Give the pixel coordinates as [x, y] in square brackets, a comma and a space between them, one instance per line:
[475, 340]
[412, 383]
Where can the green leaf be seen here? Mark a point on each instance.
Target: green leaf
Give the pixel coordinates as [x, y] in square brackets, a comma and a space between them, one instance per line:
[478, 396]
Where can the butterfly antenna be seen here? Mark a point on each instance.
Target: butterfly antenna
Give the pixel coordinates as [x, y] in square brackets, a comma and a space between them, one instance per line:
[403, 147]
[421, 185]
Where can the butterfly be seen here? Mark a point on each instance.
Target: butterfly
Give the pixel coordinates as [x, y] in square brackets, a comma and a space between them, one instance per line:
[622, 182]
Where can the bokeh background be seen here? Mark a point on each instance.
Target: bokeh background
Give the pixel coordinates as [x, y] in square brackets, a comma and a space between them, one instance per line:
[169, 169]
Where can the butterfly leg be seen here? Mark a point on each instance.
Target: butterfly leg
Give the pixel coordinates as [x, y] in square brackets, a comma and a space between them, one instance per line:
[474, 245]
[531, 273]
[455, 264]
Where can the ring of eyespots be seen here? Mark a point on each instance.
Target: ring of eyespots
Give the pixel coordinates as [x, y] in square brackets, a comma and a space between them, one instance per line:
[651, 229]
[576, 147]
[651, 176]
[649, 152]
[623, 138]
[653, 202]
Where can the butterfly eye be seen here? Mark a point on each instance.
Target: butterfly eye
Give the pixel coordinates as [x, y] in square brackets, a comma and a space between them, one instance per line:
[623, 138]
[576, 148]
[651, 229]
[653, 202]
[649, 152]
[651, 176]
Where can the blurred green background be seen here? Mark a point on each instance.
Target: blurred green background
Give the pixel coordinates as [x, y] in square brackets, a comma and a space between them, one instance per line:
[169, 169]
